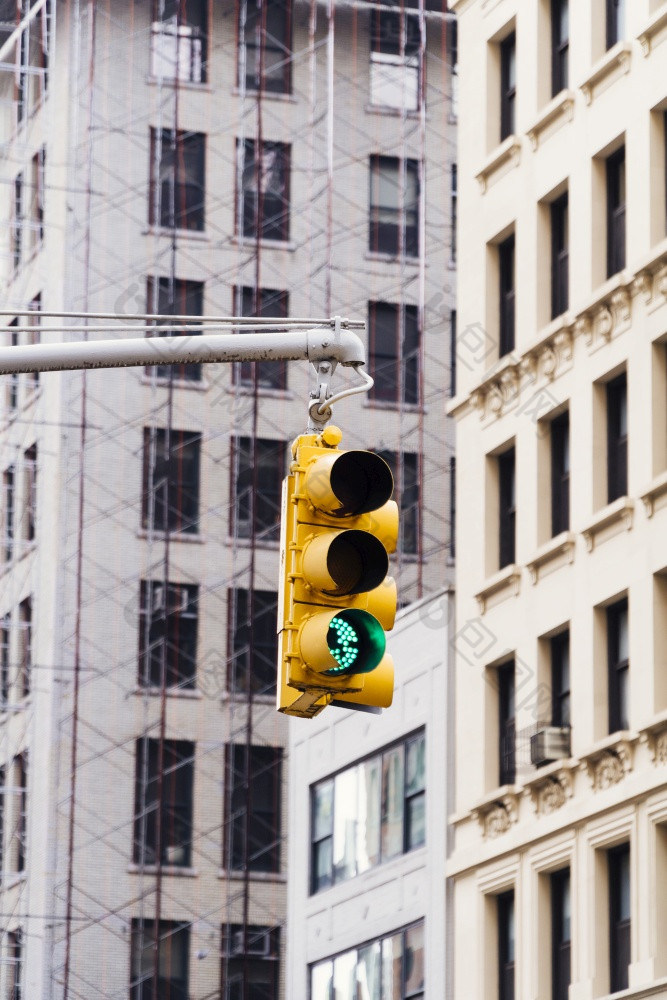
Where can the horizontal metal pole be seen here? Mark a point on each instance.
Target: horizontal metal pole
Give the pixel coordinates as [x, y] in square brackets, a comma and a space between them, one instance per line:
[315, 345]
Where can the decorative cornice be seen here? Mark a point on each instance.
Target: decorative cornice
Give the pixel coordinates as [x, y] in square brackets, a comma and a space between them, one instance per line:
[507, 579]
[562, 545]
[609, 761]
[552, 786]
[654, 27]
[507, 153]
[497, 814]
[618, 57]
[620, 510]
[657, 488]
[655, 736]
[562, 106]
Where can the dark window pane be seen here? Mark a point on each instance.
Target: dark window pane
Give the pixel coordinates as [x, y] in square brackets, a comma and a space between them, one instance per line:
[405, 470]
[267, 34]
[507, 86]
[506, 941]
[559, 256]
[615, 21]
[168, 634]
[175, 298]
[507, 293]
[560, 679]
[252, 808]
[250, 954]
[619, 665]
[256, 666]
[267, 303]
[170, 496]
[394, 352]
[560, 474]
[259, 466]
[173, 943]
[506, 724]
[619, 916]
[560, 41]
[507, 507]
[163, 803]
[615, 168]
[265, 191]
[177, 172]
[560, 934]
[394, 206]
[179, 40]
[617, 438]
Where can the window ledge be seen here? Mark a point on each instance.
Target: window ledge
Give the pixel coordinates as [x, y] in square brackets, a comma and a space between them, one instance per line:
[174, 536]
[560, 107]
[391, 258]
[562, 544]
[266, 95]
[390, 111]
[551, 786]
[179, 383]
[183, 234]
[171, 692]
[508, 153]
[170, 81]
[241, 698]
[652, 493]
[498, 811]
[255, 876]
[617, 58]
[246, 543]
[655, 27]
[610, 759]
[389, 405]
[506, 580]
[163, 870]
[621, 509]
[250, 243]
[246, 390]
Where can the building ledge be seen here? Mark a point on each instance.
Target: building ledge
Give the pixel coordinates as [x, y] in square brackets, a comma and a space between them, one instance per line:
[551, 786]
[657, 489]
[562, 545]
[561, 107]
[655, 31]
[508, 153]
[505, 581]
[498, 811]
[619, 510]
[654, 735]
[616, 59]
[163, 870]
[610, 759]
[253, 876]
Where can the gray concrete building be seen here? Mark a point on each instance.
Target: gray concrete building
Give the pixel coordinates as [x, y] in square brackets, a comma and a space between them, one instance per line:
[161, 160]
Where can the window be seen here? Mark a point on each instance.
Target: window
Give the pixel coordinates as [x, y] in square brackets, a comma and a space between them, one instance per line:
[393, 332]
[265, 212]
[560, 43]
[506, 943]
[506, 724]
[168, 634]
[179, 40]
[29, 494]
[253, 666]
[452, 352]
[175, 298]
[507, 508]
[259, 466]
[163, 803]
[560, 243]
[392, 966]
[615, 169]
[394, 206]
[8, 484]
[5, 677]
[15, 976]
[176, 190]
[561, 934]
[453, 48]
[560, 474]
[405, 470]
[18, 820]
[252, 808]
[266, 58]
[615, 21]
[267, 303]
[12, 380]
[33, 334]
[619, 665]
[25, 647]
[16, 231]
[617, 438]
[618, 861]
[369, 813]
[173, 945]
[36, 209]
[452, 507]
[506, 287]
[560, 679]
[170, 495]
[395, 59]
[32, 55]
[250, 954]
[454, 198]
[508, 86]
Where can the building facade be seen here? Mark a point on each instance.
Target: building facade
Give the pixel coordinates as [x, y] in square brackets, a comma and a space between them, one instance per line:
[367, 808]
[558, 868]
[165, 160]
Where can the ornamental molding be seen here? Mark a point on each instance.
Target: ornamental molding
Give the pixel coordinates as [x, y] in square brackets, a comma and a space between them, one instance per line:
[619, 511]
[608, 763]
[559, 110]
[552, 787]
[654, 736]
[655, 27]
[653, 492]
[497, 815]
[507, 154]
[617, 59]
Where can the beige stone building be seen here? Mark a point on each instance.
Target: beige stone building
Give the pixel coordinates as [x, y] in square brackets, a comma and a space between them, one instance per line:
[559, 864]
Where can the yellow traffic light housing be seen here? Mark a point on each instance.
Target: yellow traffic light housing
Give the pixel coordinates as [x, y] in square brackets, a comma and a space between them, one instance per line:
[336, 600]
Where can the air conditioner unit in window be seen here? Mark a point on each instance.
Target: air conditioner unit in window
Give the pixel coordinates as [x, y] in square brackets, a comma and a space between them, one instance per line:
[548, 744]
[259, 944]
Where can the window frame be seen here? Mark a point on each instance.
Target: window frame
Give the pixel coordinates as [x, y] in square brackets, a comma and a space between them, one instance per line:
[616, 180]
[616, 392]
[405, 468]
[265, 960]
[506, 680]
[560, 254]
[508, 67]
[179, 291]
[619, 927]
[266, 303]
[168, 176]
[560, 473]
[559, 47]
[506, 507]
[618, 669]
[169, 809]
[182, 31]
[253, 221]
[506, 295]
[404, 390]
[158, 495]
[505, 908]
[264, 607]
[560, 889]
[398, 237]
[559, 656]
[280, 83]
[250, 455]
[180, 668]
[235, 818]
[142, 939]
[614, 22]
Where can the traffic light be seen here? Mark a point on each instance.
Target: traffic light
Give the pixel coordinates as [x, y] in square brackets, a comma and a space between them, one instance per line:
[336, 601]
